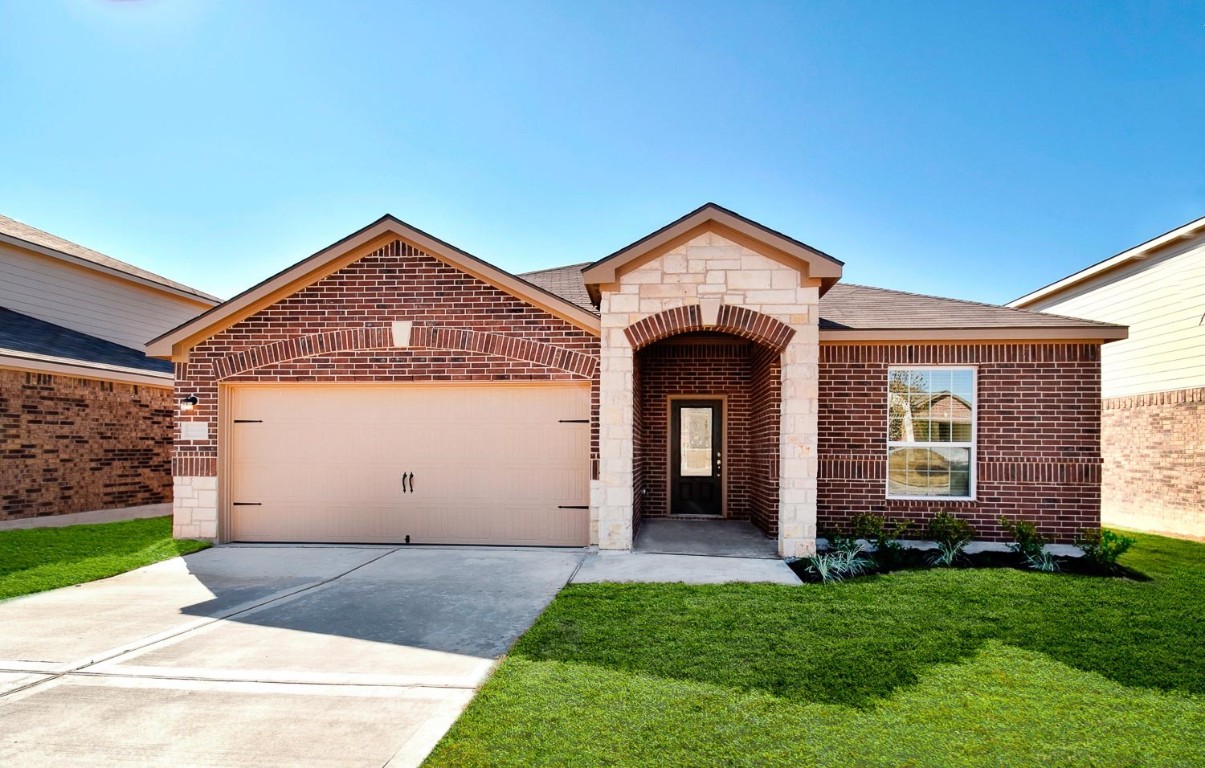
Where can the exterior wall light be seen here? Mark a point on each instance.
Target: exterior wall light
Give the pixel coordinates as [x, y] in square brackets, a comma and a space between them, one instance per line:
[188, 403]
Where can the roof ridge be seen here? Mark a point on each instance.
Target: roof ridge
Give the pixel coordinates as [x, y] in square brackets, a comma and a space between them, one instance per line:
[551, 269]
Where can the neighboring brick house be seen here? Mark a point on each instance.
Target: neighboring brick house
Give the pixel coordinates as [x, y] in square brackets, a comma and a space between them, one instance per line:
[1153, 383]
[392, 388]
[85, 415]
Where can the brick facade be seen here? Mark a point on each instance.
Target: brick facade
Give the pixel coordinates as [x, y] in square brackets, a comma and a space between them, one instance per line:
[338, 329]
[1038, 444]
[74, 445]
[1154, 462]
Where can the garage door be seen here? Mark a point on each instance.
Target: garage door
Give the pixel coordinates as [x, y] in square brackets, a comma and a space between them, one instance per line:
[497, 464]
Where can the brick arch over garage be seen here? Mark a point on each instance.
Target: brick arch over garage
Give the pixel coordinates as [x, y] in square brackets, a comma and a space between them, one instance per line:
[738, 321]
[425, 337]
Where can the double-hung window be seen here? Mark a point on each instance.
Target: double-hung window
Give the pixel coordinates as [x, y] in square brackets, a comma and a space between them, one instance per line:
[931, 433]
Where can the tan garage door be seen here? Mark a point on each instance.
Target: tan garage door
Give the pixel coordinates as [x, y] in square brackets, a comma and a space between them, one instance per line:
[455, 464]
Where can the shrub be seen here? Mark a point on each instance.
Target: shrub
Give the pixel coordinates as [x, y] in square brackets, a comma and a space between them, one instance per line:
[1030, 544]
[945, 528]
[1102, 546]
[882, 535]
[843, 559]
[952, 534]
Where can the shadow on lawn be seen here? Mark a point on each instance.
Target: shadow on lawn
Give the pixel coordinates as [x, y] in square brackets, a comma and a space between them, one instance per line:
[855, 643]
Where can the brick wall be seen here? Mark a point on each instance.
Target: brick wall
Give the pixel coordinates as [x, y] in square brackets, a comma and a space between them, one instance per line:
[1154, 462]
[396, 282]
[1039, 435]
[700, 365]
[765, 396]
[339, 329]
[73, 445]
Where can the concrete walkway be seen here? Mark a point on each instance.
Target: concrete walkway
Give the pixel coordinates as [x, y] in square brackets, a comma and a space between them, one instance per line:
[88, 518]
[262, 655]
[687, 569]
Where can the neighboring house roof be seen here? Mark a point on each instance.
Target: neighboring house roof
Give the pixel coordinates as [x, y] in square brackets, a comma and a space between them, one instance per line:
[565, 282]
[13, 230]
[1128, 256]
[733, 226]
[28, 342]
[384, 230]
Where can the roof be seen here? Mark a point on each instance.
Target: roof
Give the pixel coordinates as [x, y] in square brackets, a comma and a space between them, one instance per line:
[732, 225]
[16, 230]
[1129, 256]
[850, 307]
[22, 335]
[850, 310]
[386, 229]
[565, 282]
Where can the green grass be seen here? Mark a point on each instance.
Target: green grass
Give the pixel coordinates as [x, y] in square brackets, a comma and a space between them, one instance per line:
[924, 668]
[37, 559]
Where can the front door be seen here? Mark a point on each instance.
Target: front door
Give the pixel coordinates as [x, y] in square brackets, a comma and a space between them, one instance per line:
[696, 458]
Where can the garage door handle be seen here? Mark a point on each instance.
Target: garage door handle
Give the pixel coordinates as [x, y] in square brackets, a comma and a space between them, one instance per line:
[408, 476]
[412, 482]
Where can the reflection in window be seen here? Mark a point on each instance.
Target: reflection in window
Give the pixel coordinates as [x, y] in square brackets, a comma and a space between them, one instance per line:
[930, 432]
[696, 442]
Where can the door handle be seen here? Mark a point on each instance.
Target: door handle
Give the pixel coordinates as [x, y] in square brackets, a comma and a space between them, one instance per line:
[404, 476]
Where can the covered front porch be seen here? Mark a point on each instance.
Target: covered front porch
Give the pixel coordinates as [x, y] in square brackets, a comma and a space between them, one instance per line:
[709, 538]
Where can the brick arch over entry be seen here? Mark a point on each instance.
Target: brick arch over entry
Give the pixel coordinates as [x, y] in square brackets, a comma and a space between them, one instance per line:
[738, 321]
[426, 337]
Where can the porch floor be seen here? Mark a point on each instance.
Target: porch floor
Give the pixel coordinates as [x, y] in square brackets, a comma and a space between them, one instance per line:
[717, 538]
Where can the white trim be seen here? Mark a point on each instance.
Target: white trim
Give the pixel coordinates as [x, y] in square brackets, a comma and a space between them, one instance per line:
[65, 366]
[973, 445]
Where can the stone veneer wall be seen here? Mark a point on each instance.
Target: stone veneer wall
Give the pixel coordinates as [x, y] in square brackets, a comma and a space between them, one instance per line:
[1154, 455]
[75, 445]
[1038, 445]
[339, 330]
[710, 268]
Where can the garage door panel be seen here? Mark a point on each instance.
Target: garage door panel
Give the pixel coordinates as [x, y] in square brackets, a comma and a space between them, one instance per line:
[491, 464]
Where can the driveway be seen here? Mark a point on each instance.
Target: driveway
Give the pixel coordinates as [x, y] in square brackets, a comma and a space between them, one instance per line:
[265, 655]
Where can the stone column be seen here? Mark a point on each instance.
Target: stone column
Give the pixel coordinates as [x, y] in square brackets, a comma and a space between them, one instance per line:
[612, 494]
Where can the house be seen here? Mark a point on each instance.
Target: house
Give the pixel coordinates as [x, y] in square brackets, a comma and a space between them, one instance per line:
[393, 388]
[85, 415]
[1153, 383]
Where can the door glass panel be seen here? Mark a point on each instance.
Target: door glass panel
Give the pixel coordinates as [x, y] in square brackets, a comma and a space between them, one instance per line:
[696, 442]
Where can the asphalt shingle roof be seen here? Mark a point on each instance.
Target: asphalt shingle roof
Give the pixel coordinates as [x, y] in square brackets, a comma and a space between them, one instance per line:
[35, 236]
[24, 334]
[565, 282]
[859, 307]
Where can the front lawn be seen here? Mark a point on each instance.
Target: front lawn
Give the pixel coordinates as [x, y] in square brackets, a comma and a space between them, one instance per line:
[920, 668]
[37, 559]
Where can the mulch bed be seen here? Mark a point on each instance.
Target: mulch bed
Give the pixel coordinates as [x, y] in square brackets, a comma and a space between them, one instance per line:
[918, 559]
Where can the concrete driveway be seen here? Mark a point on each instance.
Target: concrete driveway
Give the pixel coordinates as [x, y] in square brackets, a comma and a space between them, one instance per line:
[265, 655]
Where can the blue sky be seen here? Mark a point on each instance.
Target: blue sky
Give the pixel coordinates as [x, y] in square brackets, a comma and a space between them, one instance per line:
[976, 150]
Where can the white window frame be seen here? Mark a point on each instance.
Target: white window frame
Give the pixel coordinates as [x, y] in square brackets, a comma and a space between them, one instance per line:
[973, 444]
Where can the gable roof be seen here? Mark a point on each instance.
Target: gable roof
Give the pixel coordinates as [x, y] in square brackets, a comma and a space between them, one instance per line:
[1128, 256]
[346, 251]
[817, 263]
[22, 336]
[21, 234]
[858, 312]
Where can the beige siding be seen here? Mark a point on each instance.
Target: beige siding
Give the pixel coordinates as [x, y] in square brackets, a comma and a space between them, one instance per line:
[87, 301]
[1162, 300]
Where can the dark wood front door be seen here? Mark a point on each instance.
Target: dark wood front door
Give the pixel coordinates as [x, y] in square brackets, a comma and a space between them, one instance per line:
[696, 458]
